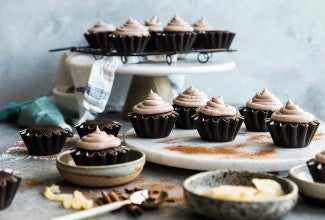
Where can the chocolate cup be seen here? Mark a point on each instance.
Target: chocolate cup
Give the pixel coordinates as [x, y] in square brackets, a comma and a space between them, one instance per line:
[43, 144]
[153, 44]
[291, 135]
[175, 41]
[126, 45]
[153, 126]
[8, 189]
[217, 129]
[99, 40]
[185, 120]
[317, 170]
[255, 119]
[84, 130]
[100, 158]
[213, 40]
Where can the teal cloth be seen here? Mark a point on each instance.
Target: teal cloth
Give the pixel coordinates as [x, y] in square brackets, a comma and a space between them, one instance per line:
[32, 112]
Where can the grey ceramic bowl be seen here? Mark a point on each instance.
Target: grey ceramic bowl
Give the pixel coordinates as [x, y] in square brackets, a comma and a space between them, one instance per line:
[225, 209]
[101, 176]
[307, 187]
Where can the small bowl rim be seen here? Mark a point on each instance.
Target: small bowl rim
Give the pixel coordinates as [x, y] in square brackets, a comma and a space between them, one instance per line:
[292, 175]
[62, 154]
[287, 196]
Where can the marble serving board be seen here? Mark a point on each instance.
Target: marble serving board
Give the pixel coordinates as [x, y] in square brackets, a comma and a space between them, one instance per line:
[253, 151]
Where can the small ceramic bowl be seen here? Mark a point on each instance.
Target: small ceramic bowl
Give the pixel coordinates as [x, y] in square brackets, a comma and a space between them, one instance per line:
[101, 176]
[307, 187]
[195, 185]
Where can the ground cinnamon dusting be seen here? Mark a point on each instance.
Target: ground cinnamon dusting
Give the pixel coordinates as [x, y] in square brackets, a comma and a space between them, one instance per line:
[232, 151]
[29, 184]
[318, 136]
[258, 137]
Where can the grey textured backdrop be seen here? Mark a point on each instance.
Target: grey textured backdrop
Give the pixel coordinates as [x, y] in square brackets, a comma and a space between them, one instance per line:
[281, 44]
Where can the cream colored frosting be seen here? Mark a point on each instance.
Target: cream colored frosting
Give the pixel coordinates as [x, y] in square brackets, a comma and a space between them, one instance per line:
[153, 24]
[264, 100]
[292, 113]
[202, 25]
[191, 97]
[177, 24]
[132, 28]
[98, 140]
[101, 26]
[152, 104]
[217, 107]
[320, 157]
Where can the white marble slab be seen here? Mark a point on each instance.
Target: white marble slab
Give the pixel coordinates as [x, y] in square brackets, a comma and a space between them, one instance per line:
[249, 151]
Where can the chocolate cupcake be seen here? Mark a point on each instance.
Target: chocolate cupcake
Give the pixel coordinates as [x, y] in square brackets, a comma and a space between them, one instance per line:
[258, 109]
[97, 36]
[107, 125]
[217, 121]
[44, 140]
[99, 148]
[208, 37]
[153, 117]
[316, 167]
[9, 184]
[291, 127]
[130, 38]
[185, 104]
[154, 26]
[177, 36]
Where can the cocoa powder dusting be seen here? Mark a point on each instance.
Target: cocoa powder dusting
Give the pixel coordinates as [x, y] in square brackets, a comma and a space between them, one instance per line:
[29, 184]
[258, 137]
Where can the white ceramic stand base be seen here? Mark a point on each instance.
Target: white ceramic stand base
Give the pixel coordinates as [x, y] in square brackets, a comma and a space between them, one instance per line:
[250, 151]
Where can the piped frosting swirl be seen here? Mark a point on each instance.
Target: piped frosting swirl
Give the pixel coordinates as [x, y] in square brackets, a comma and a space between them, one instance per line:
[320, 157]
[153, 24]
[98, 140]
[217, 107]
[264, 100]
[292, 113]
[202, 25]
[132, 28]
[101, 26]
[191, 97]
[177, 24]
[152, 104]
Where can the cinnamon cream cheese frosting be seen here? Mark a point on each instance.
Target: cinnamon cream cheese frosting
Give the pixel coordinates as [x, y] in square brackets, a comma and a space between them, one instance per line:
[153, 24]
[264, 100]
[152, 104]
[132, 28]
[202, 25]
[177, 24]
[191, 97]
[320, 157]
[98, 140]
[101, 26]
[217, 107]
[292, 113]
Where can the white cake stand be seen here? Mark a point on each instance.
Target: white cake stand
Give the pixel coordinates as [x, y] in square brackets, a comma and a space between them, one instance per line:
[153, 75]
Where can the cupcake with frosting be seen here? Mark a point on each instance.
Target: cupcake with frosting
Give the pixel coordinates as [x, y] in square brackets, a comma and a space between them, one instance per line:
[107, 125]
[185, 104]
[217, 121]
[292, 127]
[210, 38]
[154, 26]
[153, 117]
[316, 167]
[9, 184]
[132, 37]
[98, 35]
[177, 36]
[99, 148]
[258, 109]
